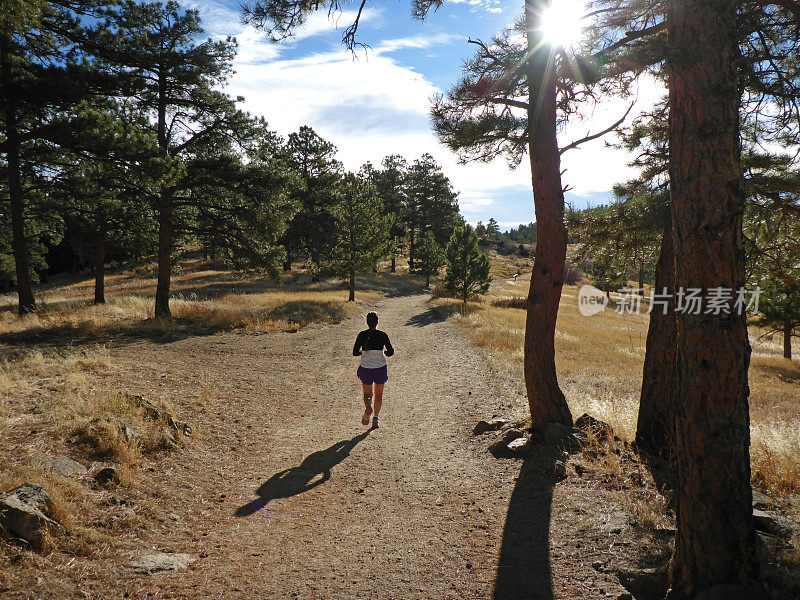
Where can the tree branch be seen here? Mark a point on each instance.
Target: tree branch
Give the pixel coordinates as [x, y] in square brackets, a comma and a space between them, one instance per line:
[594, 136]
[509, 102]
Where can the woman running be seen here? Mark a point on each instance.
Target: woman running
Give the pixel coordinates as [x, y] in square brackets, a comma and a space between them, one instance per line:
[372, 370]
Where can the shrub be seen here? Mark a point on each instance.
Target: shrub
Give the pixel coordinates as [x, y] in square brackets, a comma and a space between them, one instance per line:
[572, 274]
[515, 302]
[439, 291]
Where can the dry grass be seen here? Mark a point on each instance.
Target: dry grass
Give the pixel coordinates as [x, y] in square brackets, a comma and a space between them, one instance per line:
[58, 399]
[599, 361]
[60, 403]
[204, 300]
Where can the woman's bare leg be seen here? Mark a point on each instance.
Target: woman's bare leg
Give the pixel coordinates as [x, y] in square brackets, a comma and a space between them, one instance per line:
[378, 397]
[367, 403]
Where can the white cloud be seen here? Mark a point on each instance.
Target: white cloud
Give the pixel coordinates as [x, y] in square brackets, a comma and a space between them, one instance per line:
[371, 105]
[492, 6]
[421, 41]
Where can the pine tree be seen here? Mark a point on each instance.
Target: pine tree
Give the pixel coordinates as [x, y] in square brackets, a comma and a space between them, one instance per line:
[178, 80]
[432, 205]
[362, 231]
[391, 186]
[312, 231]
[773, 253]
[431, 256]
[45, 71]
[467, 267]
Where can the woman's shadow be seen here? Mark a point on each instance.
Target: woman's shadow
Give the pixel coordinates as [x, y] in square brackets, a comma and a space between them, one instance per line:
[304, 477]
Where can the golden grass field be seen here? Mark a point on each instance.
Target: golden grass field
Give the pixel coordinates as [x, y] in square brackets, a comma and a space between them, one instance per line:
[203, 297]
[599, 361]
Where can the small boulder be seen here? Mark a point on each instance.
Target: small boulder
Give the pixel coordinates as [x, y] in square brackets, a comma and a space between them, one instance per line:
[64, 465]
[762, 502]
[107, 476]
[27, 513]
[773, 524]
[129, 432]
[168, 438]
[500, 446]
[600, 429]
[162, 561]
[644, 584]
[519, 446]
[483, 426]
[616, 522]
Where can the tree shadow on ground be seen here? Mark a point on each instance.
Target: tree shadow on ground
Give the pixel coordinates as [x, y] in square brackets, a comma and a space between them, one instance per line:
[430, 316]
[523, 570]
[302, 478]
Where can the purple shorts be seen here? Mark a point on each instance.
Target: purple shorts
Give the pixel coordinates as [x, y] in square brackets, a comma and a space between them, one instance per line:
[370, 376]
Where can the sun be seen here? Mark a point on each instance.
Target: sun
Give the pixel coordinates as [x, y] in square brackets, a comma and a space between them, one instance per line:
[561, 23]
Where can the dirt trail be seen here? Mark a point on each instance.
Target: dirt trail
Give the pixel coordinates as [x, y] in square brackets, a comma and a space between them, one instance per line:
[285, 495]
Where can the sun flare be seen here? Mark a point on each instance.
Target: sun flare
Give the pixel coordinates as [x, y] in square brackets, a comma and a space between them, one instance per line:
[561, 23]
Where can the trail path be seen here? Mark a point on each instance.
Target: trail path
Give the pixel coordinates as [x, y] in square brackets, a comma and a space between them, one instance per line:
[285, 495]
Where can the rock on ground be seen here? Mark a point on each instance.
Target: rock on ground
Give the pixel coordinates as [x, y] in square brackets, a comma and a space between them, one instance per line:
[500, 446]
[600, 429]
[482, 426]
[26, 512]
[107, 475]
[161, 561]
[64, 465]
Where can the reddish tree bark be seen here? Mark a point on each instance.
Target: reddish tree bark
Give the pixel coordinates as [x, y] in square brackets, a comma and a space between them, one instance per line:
[545, 398]
[715, 538]
[655, 426]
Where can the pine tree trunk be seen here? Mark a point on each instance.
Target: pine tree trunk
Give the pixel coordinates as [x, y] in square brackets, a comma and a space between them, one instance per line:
[352, 296]
[787, 341]
[411, 249]
[165, 209]
[715, 538]
[394, 266]
[546, 401]
[16, 198]
[101, 235]
[164, 256]
[655, 426]
[287, 265]
[18, 242]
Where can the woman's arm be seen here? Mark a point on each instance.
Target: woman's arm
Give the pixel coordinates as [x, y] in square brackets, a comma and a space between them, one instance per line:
[357, 346]
[389, 350]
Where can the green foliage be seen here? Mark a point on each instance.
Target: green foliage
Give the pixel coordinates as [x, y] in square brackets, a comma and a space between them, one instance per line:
[391, 185]
[524, 233]
[623, 238]
[362, 231]
[312, 232]
[467, 267]
[431, 256]
[431, 207]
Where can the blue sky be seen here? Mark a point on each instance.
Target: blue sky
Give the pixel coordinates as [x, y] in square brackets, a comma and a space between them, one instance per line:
[377, 103]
